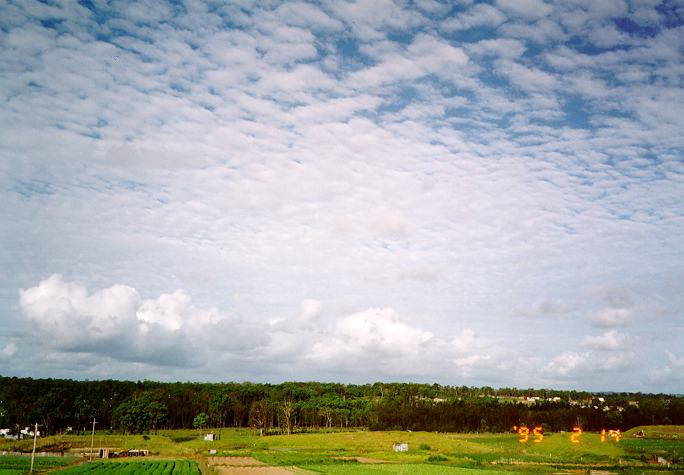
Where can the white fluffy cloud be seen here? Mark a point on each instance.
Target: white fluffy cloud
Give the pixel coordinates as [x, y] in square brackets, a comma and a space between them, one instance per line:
[371, 335]
[116, 322]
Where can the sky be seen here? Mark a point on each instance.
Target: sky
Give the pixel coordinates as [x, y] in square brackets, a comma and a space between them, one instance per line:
[467, 193]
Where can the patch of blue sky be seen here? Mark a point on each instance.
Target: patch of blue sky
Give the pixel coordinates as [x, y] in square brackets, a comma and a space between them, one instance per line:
[498, 81]
[629, 26]
[207, 106]
[448, 89]
[180, 88]
[93, 134]
[30, 188]
[585, 46]
[53, 24]
[401, 37]
[403, 96]
[472, 35]
[672, 14]
[117, 184]
[350, 54]
[532, 50]
[576, 114]
[100, 16]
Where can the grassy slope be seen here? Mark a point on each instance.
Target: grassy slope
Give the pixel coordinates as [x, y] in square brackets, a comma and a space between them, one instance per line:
[658, 432]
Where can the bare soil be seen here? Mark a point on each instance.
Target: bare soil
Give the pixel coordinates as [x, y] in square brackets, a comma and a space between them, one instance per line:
[246, 466]
[224, 470]
[235, 461]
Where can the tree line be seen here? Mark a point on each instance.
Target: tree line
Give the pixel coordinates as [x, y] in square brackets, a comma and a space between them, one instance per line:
[146, 406]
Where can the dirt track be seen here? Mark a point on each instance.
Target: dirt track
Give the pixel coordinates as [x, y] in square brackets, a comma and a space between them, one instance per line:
[226, 470]
[235, 461]
[245, 466]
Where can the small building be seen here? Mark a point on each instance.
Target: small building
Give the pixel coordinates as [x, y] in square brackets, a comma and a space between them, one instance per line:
[28, 432]
[209, 437]
[401, 447]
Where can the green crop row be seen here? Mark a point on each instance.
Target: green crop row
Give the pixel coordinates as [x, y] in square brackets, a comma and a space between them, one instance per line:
[22, 463]
[162, 467]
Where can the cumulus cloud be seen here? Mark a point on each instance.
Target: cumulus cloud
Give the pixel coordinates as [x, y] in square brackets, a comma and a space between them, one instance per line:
[116, 322]
[374, 333]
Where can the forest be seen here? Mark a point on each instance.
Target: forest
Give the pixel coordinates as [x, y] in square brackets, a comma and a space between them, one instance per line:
[61, 405]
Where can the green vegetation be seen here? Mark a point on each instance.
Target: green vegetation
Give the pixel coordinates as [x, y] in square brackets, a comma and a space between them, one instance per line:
[20, 464]
[404, 469]
[163, 467]
[144, 407]
[363, 451]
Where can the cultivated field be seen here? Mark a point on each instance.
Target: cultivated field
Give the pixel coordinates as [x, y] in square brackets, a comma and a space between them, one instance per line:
[157, 467]
[361, 452]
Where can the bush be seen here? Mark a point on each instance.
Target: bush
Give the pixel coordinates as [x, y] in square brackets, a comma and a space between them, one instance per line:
[437, 458]
[425, 447]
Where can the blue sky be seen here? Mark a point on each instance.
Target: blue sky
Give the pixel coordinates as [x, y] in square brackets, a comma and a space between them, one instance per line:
[458, 192]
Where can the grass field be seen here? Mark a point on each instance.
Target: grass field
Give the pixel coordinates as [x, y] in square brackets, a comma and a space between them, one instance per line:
[357, 452]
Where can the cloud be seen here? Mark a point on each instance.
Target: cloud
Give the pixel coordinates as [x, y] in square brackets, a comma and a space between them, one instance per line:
[525, 78]
[611, 317]
[8, 350]
[116, 322]
[424, 56]
[374, 333]
[672, 372]
[479, 15]
[306, 16]
[450, 166]
[525, 8]
[502, 47]
[609, 341]
[371, 20]
[572, 366]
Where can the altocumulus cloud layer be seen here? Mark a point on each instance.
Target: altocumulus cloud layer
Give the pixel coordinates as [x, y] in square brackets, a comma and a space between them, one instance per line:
[463, 192]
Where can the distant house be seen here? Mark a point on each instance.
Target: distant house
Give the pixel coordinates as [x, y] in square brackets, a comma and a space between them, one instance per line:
[401, 447]
[28, 432]
[209, 437]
